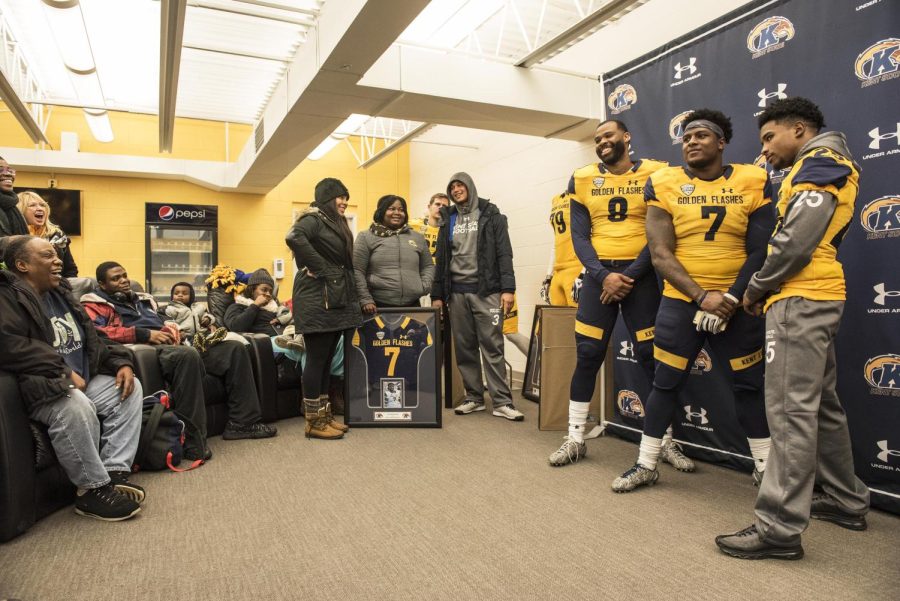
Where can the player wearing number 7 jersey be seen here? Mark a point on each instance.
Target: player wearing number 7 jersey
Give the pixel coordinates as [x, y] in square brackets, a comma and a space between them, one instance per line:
[707, 227]
[606, 206]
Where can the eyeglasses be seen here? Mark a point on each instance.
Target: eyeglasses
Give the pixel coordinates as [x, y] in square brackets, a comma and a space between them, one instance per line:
[7, 171]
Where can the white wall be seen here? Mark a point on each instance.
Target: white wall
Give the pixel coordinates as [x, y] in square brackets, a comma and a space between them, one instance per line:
[518, 173]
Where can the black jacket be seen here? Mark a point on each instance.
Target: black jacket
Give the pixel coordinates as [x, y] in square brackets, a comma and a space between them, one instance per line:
[328, 302]
[495, 257]
[27, 343]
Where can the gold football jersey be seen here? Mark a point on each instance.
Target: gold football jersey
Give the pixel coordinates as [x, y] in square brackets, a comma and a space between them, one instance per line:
[564, 256]
[429, 231]
[710, 220]
[825, 170]
[616, 206]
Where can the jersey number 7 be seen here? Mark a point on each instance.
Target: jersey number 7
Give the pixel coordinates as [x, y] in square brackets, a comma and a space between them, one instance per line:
[719, 212]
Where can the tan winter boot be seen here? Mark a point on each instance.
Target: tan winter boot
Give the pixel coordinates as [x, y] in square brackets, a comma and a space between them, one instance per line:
[317, 420]
[332, 423]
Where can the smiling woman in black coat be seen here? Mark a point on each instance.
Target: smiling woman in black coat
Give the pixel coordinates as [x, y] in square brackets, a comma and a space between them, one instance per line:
[325, 299]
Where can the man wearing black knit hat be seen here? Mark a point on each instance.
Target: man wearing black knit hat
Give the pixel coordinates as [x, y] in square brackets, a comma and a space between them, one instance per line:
[474, 275]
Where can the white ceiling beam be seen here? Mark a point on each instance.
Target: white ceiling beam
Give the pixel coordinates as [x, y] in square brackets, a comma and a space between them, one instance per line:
[391, 146]
[583, 27]
[20, 111]
[280, 6]
[171, 34]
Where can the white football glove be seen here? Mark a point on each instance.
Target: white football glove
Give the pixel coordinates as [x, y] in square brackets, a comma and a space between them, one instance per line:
[577, 284]
[707, 322]
[545, 291]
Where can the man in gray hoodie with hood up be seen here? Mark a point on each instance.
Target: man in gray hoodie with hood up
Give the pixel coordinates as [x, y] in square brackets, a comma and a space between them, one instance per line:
[474, 275]
[801, 289]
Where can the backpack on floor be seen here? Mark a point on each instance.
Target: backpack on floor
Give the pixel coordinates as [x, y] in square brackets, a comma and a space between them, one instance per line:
[162, 437]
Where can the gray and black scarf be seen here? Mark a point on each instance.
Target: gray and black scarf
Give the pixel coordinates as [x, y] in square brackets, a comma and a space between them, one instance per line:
[12, 222]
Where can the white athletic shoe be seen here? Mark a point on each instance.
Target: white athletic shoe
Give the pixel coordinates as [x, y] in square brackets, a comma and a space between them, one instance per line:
[469, 407]
[509, 412]
[638, 475]
[673, 455]
[570, 452]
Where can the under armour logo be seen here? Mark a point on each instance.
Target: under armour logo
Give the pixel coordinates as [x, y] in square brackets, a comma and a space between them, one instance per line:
[882, 293]
[765, 96]
[885, 451]
[727, 190]
[877, 137]
[690, 67]
[627, 349]
[699, 414]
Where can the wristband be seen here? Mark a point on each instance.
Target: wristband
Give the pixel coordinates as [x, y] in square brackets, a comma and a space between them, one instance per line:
[702, 298]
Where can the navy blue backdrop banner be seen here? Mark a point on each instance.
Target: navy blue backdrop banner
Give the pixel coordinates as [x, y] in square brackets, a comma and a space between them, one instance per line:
[845, 56]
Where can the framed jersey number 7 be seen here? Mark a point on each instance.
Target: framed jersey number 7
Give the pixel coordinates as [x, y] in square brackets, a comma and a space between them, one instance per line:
[705, 213]
[394, 353]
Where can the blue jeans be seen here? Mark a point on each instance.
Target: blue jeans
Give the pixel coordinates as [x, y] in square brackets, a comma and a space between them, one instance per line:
[94, 432]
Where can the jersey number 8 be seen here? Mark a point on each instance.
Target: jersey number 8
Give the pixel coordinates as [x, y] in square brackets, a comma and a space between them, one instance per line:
[618, 208]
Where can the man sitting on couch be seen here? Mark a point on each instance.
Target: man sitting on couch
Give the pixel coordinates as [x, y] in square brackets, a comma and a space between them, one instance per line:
[81, 387]
[127, 316]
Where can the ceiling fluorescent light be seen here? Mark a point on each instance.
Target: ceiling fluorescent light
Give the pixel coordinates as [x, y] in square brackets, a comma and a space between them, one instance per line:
[67, 24]
[98, 122]
[87, 88]
[350, 125]
[323, 148]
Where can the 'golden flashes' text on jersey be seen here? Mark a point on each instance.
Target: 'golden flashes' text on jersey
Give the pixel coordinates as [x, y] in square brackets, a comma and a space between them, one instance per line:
[616, 207]
[820, 169]
[564, 255]
[710, 220]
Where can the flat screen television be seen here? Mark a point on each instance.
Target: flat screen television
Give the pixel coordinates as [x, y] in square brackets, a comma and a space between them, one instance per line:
[65, 207]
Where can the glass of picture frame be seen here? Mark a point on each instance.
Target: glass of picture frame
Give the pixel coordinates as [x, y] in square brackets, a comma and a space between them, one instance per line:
[392, 370]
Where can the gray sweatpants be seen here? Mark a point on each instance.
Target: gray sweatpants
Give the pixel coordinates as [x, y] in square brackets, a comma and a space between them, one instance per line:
[477, 323]
[810, 440]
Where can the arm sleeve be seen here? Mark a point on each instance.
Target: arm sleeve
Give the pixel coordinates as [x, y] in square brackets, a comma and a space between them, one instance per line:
[239, 318]
[298, 240]
[581, 241]
[23, 355]
[361, 254]
[793, 245]
[759, 228]
[70, 269]
[117, 333]
[504, 254]
[426, 265]
[115, 357]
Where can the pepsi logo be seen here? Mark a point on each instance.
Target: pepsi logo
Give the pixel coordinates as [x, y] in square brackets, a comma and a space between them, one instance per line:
[166, 213]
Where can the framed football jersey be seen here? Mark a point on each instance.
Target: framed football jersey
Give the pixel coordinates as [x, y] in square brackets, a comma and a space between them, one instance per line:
[392, 369]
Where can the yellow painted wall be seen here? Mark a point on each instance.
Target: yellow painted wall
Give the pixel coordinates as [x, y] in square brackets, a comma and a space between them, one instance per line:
[251, 226]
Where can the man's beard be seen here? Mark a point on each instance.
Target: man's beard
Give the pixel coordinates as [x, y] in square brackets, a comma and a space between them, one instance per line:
[615, 155]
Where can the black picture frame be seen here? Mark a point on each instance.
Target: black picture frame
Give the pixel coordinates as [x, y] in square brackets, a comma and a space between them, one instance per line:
[384, 389]
[531, 379]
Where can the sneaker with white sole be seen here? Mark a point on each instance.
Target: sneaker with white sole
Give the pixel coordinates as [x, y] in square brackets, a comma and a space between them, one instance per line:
[105, 503]
[674, 456]
[570, 452]
[509, 412]
[637, 476]
[469, 407]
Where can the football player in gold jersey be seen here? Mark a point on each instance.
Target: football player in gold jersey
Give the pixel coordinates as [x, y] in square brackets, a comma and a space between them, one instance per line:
[607, 212]
[430, 226]
[564, 264]
[707, 228]
[801, 286]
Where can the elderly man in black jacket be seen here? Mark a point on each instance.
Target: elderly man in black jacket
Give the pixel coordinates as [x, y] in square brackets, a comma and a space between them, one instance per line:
[81, 387]
[474, 275]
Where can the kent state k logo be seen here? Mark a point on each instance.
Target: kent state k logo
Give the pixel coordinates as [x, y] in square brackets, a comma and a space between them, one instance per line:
[769, 35]
[881, 217]
[622, 98]
[879, 62]
[676, 127]
[883, 371]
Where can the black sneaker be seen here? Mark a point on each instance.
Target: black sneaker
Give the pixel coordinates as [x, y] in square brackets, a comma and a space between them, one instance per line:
[746, 544]
[129, 489]
[235, 431]
[105, 503]
[826, 509]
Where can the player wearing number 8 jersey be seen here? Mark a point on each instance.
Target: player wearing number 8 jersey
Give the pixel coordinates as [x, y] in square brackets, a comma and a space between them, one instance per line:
[707, 226]
[607, 210]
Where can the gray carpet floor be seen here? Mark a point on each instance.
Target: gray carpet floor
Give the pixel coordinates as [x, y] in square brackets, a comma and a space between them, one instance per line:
[470, 511]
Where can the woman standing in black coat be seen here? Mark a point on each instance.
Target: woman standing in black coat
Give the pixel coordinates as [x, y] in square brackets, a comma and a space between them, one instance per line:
[325, 299]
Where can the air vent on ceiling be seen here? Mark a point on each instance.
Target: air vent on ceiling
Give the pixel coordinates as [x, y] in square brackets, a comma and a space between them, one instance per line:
[259, 136]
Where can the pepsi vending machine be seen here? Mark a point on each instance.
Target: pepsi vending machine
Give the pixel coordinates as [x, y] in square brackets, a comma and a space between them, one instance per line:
[181, 246]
